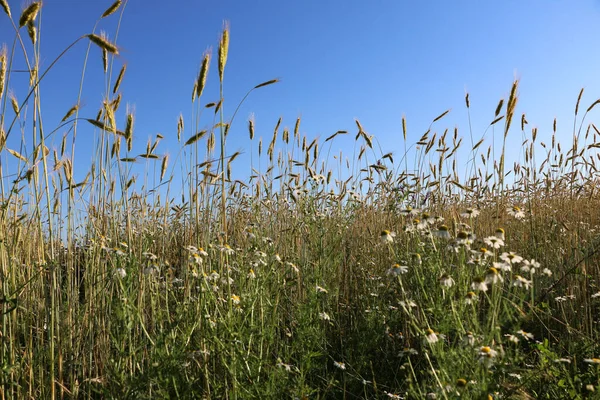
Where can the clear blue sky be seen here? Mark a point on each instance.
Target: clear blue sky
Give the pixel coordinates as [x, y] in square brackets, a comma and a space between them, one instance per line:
[337, 60]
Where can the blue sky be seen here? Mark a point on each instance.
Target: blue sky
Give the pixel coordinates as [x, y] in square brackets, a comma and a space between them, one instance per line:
[337, 60]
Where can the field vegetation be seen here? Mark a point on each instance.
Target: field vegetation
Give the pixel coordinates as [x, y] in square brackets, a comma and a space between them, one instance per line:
[443, 270]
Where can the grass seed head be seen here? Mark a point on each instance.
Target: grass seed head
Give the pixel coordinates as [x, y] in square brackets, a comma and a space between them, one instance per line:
[29, 13]
[112, 9]
[32, 31]
[201, 82]
[223, 50]
[251, 127]
[102, 42]
[119, 78]
[2, 69]
[5, 7]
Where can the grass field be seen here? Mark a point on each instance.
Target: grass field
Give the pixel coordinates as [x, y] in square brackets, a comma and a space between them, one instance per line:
[313, 278]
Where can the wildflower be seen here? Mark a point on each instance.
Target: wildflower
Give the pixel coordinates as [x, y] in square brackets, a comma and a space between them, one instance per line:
[251, 274]
[484, 252]
[213, 277]
[120, 272]
[479, 285]
[464, 227]
[519, 281]
[195, 258]
[407, 303]
[420, 225]
[393, 396]
[321, 289]
[499, 233]
[516, 376]
[409, 211]
[589, 387]
[547, 272]
[201, 252]
[446, 280]
[516, 212]
[471, 298]
[235, 299]
[397, 270]
[442, 232]
[492, 276]
[525, 335]
[324, 316]
[592, 360]
[227, 281]
[494, 242]
[487, 355]
[512, 338]
[530, 266]
[563, 360]
[470, 213]
[463, 238]
[427, 218]
[149, 256]
[596, 295]
[416, 259]
[469, 338]
[278, 258]
[260, 254]
[281, 364]
[511, 258]
[150, 270]
[453, 246]
[387, 236]
[118, 251]
[227, 250]
[339, 365]
[431, 336]
[191, 249]
[292, 266]
[407, 351]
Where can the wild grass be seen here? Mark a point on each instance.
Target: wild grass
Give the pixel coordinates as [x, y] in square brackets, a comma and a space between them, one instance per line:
[318, 276]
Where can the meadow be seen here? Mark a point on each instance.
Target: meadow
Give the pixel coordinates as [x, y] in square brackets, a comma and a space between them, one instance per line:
[319, 276]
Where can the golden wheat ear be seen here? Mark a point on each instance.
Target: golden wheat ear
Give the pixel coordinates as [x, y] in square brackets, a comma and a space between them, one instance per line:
[223, 49]
[103, 43]
[28, 15]
[5, 7]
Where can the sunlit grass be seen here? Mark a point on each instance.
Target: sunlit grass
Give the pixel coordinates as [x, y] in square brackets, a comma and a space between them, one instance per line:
[311, 278]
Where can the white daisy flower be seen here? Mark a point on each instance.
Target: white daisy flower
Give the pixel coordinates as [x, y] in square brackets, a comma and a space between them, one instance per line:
[387, 236]
[487, 355]
[442, 232]
[493, 242]
[471, 298]
[516, 212]
[511, 257]
[499, 233]
[397, 270]
[525, 335]
[479, 284]
[519, 281]
[339, 365]
[446, 280]
[324, 316]
[492, 276]
[431, 336]
[470, 213]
